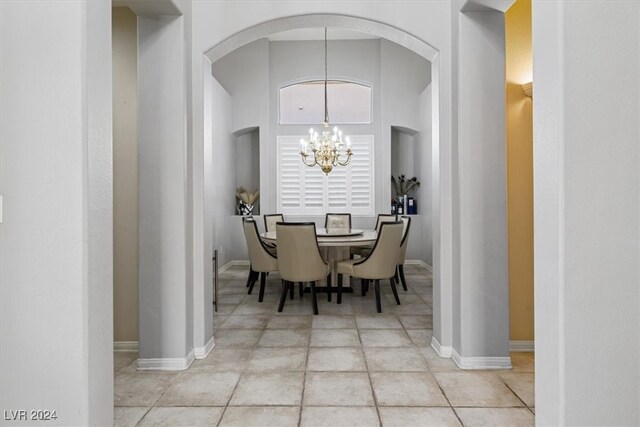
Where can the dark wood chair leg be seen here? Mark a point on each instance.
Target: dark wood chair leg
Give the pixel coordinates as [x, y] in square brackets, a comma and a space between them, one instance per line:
[396, 277]
[253, 281]
[339, 288]
[363, 291]
[329, 287]
[292, 291]
[394, 290]
[378, 303]
[404, 282]
[250, 276]
[301, 289]
[314, 299]
[263, 281]
[283, 295]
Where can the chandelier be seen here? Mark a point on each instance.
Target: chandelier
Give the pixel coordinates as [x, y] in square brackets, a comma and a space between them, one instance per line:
[328, 149]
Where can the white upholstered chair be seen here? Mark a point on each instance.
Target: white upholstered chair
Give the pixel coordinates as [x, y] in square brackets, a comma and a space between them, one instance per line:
[299, 259]
[379, 265]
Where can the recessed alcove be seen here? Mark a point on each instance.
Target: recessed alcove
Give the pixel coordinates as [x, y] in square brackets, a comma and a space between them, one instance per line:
[247, 160]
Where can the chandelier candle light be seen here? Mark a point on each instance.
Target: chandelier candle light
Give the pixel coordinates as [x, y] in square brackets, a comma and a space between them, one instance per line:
[328, 150]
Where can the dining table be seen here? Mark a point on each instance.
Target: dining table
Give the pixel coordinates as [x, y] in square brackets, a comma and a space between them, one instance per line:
[334, 244]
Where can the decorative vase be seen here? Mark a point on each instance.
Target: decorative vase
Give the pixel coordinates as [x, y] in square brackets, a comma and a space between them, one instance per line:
[245, 208]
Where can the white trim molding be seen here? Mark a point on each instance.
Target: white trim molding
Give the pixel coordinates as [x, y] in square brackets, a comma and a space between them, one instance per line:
[167, 364]
[125, 346]
[202, 352]
[522, 346]
[471, 363]
[231, 264]
[441, 350]
[420, 263]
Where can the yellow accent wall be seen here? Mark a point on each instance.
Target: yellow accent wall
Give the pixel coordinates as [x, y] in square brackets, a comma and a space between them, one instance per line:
[519, 70]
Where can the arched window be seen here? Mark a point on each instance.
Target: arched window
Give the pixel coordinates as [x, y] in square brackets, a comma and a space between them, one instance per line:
[303, 103]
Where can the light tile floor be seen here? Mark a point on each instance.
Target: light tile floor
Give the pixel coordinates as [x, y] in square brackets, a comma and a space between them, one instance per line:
[348, 366]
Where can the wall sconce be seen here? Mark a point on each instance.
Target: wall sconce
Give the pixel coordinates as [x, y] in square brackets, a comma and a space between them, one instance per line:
[527, 88]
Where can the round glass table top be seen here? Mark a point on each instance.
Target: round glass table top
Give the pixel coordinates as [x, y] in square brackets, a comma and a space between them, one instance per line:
[336, 237]
[338, 232]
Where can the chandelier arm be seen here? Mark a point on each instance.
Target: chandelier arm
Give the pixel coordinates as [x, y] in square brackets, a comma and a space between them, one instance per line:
[346, 162]
[304, 160]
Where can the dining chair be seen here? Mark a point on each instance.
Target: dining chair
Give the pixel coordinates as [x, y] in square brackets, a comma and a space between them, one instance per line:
[364, 251]
[337, 220]
[380, 264]
[261, 260]
[270, 221]
[299, 259]
[402, 254]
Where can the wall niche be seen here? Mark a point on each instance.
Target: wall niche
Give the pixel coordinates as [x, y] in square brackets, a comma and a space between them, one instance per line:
[403, 155]
[248, 161]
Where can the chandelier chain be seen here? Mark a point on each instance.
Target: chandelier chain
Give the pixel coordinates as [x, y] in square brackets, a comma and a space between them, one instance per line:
[327, 149]
[326, 97]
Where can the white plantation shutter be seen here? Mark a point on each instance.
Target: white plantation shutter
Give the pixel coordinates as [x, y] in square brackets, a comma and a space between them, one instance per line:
[337, 190]
[308, 191]
[289, 179]
[314, 189]
[361, 175]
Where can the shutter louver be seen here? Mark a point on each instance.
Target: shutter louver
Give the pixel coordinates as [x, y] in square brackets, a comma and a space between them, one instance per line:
[314, 190]
[361, 185]
[289, 182]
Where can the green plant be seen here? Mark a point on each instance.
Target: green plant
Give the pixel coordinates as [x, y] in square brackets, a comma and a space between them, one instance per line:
[402, 186]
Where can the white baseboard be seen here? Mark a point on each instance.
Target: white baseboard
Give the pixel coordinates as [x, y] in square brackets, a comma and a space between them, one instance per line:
[125, 346]
[231, 264]
[167, 364]
[420, 263]
[202, 352]
[524, 346]
[471, 363]
[441, 350]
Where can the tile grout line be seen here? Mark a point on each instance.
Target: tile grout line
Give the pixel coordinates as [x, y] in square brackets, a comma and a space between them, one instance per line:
[304, 375]
[514, 393]
[364, 357]
[242, 372]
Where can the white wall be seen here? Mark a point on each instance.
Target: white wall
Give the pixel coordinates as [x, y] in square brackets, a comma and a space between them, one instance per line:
[587, 199]
[165, 309]
[423, 163]
[224, 176]
[248, 160]
[480, 291]
[56, 268]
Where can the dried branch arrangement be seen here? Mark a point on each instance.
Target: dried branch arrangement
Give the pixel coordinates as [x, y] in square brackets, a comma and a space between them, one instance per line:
[247, 197]
[402, 186]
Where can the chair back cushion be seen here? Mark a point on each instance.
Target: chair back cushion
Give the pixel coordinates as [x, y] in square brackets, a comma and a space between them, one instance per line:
[271, 220]
[381, 264]
[385, 218]
[259, 257]
[299, 256]
[337, 220]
